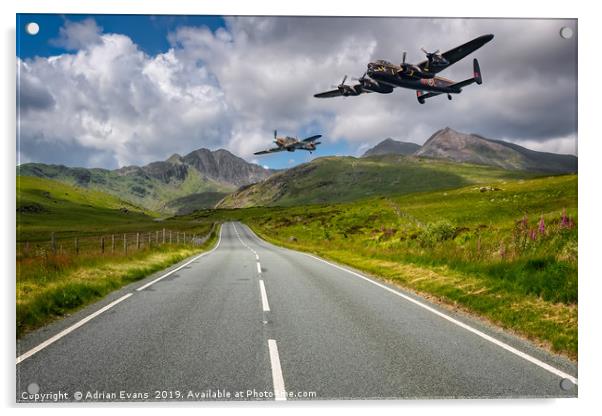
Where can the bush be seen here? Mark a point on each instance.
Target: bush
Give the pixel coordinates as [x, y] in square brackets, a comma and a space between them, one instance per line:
[436, 232]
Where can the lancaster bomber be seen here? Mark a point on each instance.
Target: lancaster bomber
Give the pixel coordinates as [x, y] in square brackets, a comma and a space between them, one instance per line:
[383, 76]
[290, 144]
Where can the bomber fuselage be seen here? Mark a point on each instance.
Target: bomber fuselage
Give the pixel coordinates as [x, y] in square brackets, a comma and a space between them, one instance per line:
[409, 76]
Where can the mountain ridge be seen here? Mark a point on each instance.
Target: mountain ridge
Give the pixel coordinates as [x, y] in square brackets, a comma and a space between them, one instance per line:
[449, 144]
[200, 179]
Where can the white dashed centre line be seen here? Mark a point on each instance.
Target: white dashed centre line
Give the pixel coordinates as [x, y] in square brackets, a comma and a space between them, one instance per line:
[277, 379]
[264, 297]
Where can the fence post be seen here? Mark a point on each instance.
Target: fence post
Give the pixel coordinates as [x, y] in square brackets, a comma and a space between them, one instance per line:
[102, 245]
[184, 237]
[157, 237]
[164, 236]
[125, 244]
[138, 241]
[52, 242]
[76, 246]
[170, 237]
[112, 243]
[149, 240]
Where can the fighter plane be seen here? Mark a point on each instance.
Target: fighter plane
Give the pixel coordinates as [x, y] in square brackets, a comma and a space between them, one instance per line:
[290, 144]
[382, 76]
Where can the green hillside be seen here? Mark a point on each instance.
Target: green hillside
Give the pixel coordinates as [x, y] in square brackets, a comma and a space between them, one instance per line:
[341, 179]
[134, 185]
[187, 204]
[44, 205]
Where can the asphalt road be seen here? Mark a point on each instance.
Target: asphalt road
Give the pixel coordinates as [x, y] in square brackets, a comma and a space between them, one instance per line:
[250, 320]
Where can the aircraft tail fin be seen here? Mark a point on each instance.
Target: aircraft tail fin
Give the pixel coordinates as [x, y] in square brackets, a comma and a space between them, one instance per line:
[476, 77]
[476, 72]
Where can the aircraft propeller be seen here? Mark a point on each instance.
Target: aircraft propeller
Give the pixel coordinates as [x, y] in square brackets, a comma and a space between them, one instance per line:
[430, 55]
[342, 84]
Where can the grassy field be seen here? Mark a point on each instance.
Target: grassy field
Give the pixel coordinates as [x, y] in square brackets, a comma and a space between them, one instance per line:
[506, 250]
[52, 281]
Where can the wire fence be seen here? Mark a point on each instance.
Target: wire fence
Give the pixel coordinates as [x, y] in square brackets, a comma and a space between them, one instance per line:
[113, 243]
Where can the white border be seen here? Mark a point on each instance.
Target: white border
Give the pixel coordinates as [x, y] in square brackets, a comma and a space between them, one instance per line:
[590, 151]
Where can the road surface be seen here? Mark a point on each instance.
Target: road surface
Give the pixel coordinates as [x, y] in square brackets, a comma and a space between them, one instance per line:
[252, 321]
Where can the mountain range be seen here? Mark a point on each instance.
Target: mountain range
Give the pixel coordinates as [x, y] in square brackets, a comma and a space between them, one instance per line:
[177, 185]
[205, 178]
[447, 159]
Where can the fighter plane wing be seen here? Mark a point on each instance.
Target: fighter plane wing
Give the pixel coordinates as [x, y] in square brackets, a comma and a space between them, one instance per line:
[328, 94]
[273, 150]
[454, 55]
[312, 138]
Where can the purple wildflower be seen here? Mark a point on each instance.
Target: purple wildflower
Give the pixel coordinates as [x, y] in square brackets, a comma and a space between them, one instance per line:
[533, 234]
[564, 221]
[542, 226]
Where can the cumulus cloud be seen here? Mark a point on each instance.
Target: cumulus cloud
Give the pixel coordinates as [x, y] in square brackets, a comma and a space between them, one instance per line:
[77, 35]
[231, 88]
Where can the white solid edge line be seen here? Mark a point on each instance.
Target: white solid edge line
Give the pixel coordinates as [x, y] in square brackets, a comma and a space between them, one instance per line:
[264, 297]
[183, 265]
[258, 267]
[489, 338]
[277, 379]
[72, 328]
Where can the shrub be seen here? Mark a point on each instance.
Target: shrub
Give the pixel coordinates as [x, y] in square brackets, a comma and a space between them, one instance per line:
[436, 232]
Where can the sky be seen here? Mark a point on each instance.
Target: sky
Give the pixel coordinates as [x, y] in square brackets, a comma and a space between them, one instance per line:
[115, 90]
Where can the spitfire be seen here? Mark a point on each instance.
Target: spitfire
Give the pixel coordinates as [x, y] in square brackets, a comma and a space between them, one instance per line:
[383, 76]
[290, 144]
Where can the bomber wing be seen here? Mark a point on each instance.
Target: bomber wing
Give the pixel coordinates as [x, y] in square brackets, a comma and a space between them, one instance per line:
[454, 55]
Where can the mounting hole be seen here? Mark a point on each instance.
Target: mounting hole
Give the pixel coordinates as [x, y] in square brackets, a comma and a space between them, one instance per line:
[32, 28]
[566, 32]
[566, 384]
[33, 388]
